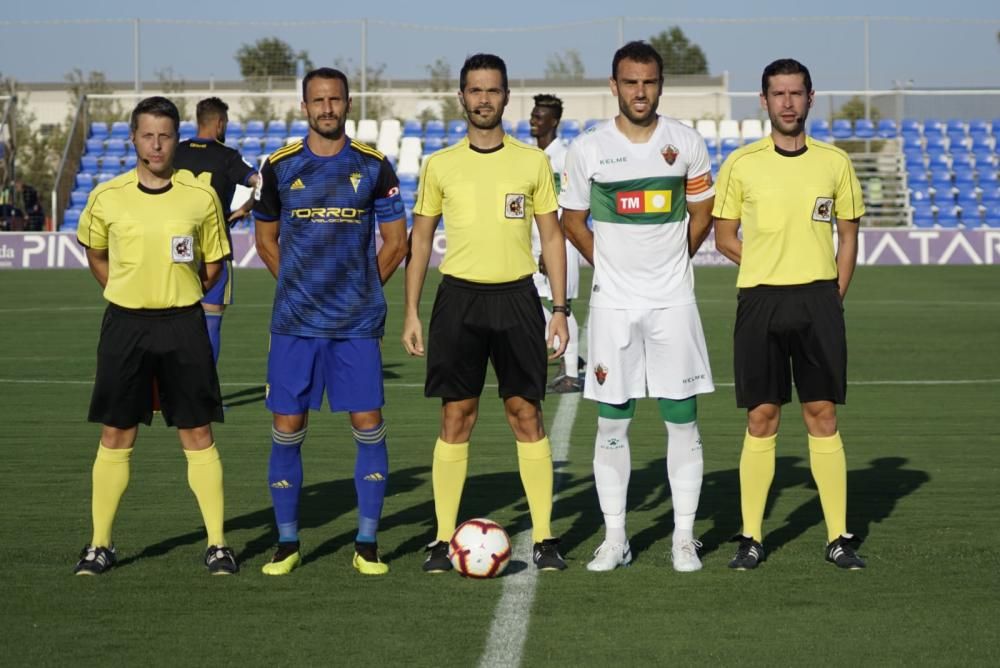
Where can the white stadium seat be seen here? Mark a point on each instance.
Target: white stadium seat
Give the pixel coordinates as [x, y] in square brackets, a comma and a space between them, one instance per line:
[351, 128]
[706, 128]
[752, 129]
[729, 129]
[368, 131]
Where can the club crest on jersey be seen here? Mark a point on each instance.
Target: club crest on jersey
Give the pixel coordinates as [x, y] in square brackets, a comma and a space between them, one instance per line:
[823, 210]
[182, 249]
[601, 373]
[355, 180]
[669, 153]
[514, 206]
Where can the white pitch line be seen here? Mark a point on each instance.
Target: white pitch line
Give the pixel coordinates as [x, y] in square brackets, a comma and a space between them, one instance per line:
[509, 630]
[850, 383]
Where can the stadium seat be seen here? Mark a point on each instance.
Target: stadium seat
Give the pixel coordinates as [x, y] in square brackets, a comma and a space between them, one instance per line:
[232, 142]
[105, 176]
[955, 125]
[887, 129]
[989, 179]
[978, 128]
[78, 198]
[388, 145]
[968, 202]
[457, 128]
[84, 181]
[707, 128]
[910, 126]
[730, 144]
[936, 144]
[298, 128]
[965, 177]
[390, 127]
[407, 181]
[819, 129]
[99, 130]
[591, 122]
[71, 218]
[991, 195]
[351, 128]
[412, 128]
[523, 129]
[751, 129]
[250, 144]
[433, 143]
[923, 214]
[129, 161]
[89, 163]
[253, 129]
[961, 157]
[920, 193]
[408, 164]
[729, 129]
[992, 215]
[367, 131]
[434, 128]
[933, 128]
[250, 150]
[942, 187]
[115, 148]
[842, 129]
[913, 155]
[569, 129]
[234, 130]
[272, 143]
[712, 145]
[864, 129]
[939, 162]
[95, 147]
[913, 142]
[949, 217]
[120, 130]
[188, 130]
[277, 128]
[508, 127]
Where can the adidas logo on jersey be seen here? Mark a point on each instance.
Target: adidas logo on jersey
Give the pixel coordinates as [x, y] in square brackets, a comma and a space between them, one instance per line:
[297, 185]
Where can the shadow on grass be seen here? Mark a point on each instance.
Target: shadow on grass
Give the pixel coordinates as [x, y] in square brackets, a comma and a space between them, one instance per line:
[251, 395]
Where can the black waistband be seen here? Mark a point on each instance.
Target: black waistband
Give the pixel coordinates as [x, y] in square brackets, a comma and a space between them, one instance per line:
[825, 284]
[509, 286]
[154, 312]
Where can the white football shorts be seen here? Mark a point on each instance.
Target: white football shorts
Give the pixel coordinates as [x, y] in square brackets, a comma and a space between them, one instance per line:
[634, 353]
[573, 260]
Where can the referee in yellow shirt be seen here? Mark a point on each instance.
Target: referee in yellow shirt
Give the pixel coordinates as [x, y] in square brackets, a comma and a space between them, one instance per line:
[148, 233]
[790, 194]
[488, 187]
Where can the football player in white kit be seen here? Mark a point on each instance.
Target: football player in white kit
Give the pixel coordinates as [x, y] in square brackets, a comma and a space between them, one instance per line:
[545, 117]
[646, 181]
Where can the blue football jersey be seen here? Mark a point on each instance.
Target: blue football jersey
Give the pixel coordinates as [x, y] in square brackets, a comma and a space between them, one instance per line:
[327, 209]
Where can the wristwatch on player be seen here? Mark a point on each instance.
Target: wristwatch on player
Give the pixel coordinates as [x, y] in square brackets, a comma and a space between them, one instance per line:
[561, 308]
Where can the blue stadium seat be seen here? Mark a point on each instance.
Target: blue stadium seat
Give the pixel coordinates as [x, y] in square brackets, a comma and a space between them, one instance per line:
[434, 128]
[944, 190]
[298, 128]
[961, 157]
[913, 142]
[933, 128]
[956, 139]
[989, 179]
[433, 143]
[277, 128]
[89, 163]
[864, 129]
[917, 175]
[914, 155]
[78, 198]
[730, 144]
[909, 127]
[129, 161]
[95, 147]
[949, 217]
[522, 129]
[984, 158]
[253, 129]
[991, 194]
[820, 129]
[968, 202]
[407, 181]
[712, 144]
[955, 125]
[234, 130]
[71, 218]
[965, 176]
[923, 214]
[983, 142]
[188, 130]
[920, 192]
[887, 128]
[251, 152]
[412, 128]
[105, 176]
[992, 216]
[84, 180]
[99, 130]
[409, 198]
[272, 144]
[115, 148]
[251, 144]
[120, 130]
[936, 144]
[569, 129]
[939, 161]
[842, 129]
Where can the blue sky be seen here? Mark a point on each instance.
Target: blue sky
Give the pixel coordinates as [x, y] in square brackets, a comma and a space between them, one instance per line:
[950, 53]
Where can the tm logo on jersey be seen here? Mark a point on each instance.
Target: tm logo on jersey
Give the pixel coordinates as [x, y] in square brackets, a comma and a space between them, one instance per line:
[643, 201]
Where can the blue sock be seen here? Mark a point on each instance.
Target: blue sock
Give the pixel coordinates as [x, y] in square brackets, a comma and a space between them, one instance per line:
[371, 473]
[284, 477]
[214, 321]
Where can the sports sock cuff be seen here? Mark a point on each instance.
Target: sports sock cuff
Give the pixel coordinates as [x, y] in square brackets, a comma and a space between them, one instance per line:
[288, 438]
[617, 411]
[755, 444]
[451, 452]
[680, 411]
[825, 445]
[108, 455]
[213, 314]
[206, 456]
[538, 450]
[370, 436]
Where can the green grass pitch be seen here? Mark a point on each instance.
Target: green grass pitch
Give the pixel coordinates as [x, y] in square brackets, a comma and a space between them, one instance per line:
[921, 430]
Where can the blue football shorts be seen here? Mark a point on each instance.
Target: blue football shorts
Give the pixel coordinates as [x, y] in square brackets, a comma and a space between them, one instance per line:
[221, 294]
[300, 368]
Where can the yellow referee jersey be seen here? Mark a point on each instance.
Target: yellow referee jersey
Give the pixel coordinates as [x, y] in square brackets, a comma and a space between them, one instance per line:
[787, 205]
[156, 240]
[488, 200]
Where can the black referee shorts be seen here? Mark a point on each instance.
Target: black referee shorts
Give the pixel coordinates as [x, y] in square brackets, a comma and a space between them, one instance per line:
[475, 322]
[785, 332]
[169, 344]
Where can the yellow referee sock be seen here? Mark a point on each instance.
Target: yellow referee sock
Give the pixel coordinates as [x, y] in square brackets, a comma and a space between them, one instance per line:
[829, 470]
[205, 479]
[756, 474]
[110, 480]
[535, 464]
[451, 462]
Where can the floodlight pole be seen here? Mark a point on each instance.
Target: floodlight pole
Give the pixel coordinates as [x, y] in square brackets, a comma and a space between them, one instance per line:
[868, 70]
[135, 56]
[621, 31]
[364, 68]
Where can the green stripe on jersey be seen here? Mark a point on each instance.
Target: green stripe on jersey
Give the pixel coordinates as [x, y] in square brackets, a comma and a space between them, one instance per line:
[651, 201]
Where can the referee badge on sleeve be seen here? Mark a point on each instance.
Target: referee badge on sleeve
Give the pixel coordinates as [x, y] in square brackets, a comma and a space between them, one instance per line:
[823, 210]
[514, 207]
[182, 249]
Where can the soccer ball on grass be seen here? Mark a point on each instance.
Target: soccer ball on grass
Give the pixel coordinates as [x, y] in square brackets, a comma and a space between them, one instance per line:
[479, 548]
